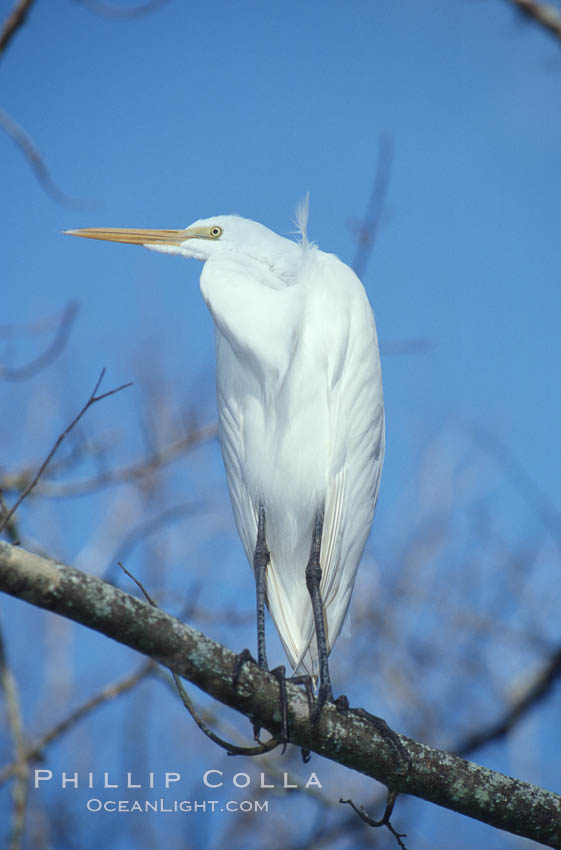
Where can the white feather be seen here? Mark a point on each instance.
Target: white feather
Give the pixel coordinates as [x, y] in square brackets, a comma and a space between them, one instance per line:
[301, 423]
[301, 218]
[300, 405]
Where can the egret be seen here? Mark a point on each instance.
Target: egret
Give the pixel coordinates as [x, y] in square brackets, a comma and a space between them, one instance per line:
[301, 418]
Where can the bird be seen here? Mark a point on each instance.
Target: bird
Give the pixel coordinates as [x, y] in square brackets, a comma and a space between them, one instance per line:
[301, 418]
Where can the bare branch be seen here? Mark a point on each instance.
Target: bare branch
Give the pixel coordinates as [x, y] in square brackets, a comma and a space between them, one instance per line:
[544, 14]
[122, 475]
[9, 688]
[345, 737]
[13, 22]
[30, 151]
[11, 526]
[146, 528]
[28, 370]
[31, 328]
[367, 230]
[35, 750]
[383, 821]
[537, 690]
[231, 749]
[91, 401]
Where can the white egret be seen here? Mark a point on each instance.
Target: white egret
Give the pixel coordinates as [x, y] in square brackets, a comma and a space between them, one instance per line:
[301, 418]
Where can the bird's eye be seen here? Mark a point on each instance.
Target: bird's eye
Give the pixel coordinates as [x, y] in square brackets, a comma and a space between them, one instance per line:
[215, 232]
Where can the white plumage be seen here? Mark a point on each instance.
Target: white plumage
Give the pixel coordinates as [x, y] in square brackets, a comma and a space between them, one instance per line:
[301, 417]
[300, 405]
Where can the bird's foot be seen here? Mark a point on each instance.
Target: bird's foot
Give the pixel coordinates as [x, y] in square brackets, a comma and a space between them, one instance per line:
[325, 694]
[280, 675]
[402, 757]
[305, 680]
[243, 657]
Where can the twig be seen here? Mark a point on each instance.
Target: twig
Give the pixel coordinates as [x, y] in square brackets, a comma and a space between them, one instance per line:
[32, 327]
[26, 145]
[384, 820]
[35, 750]
[91, 401]
[20, 789]
[537, 690]
[544, 14]
[14, 21]
[439, 777]
[231, 749]
[22, 373]
[11, 526]
[148, 527]
[121, 475]
[367, 230]
[327, 832]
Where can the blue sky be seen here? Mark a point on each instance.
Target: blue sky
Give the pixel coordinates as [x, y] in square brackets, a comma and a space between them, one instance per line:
[243, 107]
[177, 115]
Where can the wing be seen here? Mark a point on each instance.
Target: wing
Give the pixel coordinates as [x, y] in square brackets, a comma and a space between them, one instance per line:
[357, 444]
[232, 444]
[301, 426]
[254, 314]
[286, 592]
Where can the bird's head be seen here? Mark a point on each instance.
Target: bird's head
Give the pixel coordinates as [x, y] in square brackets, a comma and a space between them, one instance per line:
[203, 239]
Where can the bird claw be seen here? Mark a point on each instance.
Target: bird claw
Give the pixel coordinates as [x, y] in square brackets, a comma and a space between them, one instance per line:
[387, 733]
[342, 704]
[243, 657]
[280, 675]
[325, 694]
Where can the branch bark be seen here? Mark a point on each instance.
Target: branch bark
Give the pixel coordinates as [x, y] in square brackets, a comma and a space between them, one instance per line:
[346, 738]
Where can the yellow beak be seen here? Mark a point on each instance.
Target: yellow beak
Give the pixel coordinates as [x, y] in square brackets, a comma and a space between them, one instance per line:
[134, 236]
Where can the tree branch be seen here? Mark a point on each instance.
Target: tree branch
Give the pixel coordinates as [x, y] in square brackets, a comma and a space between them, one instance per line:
[367, 229]
[34, 751]
[344, 737]
[20, 787]
[544, 14]
[136, 471]
[24, 142]
[537, 689]
[62, 334]
[14, 21]
[93, 399]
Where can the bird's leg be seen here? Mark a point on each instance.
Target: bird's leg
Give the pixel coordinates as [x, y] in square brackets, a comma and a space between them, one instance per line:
[261, 559]
[313, 579]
